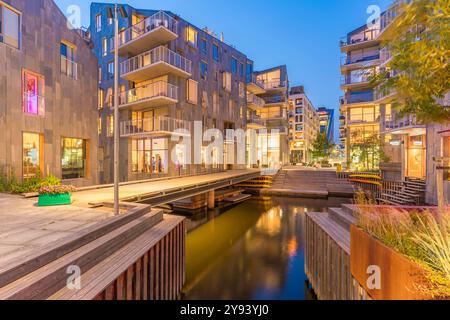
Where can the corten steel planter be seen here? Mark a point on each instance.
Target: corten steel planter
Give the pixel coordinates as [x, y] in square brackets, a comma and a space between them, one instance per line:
[400, 276]
[47, 200]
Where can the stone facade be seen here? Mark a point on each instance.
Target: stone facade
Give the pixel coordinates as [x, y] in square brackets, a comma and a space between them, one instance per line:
[67, 101]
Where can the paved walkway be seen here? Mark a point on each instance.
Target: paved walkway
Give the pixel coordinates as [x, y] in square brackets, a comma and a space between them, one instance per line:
[141, 189]
[25, 228]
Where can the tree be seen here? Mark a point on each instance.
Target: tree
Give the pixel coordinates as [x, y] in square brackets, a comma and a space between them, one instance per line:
[420, 50]
[367, 152]
[322, 147]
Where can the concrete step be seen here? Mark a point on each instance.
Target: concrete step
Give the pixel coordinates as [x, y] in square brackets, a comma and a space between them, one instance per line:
[45, 281]
[343, 218]
[55, 250]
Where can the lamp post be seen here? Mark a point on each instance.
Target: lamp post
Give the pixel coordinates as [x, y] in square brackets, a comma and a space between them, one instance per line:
[115, 16]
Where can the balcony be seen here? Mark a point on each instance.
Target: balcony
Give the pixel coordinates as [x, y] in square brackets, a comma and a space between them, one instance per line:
[275, 100]
[255, 122]
[33, 104]
[155, 63]
[154, 127]
[360, 40]
[276, 85]
[385, 95]
[394, 124]
[356, 81]
[149, 33]
[357, 98]
[254, 102]
[158, 94]
[69, 68]
[254, 86]
[358, 62]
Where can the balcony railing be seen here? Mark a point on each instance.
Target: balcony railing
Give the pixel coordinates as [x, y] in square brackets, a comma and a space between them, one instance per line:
[33, 104]
[384, 93]
[154, 56]
[156, 125]
[253, 99]
[365, 36]
[393, 122]
[69, 68]
[256, 120]
[251, 78]
[276, 84]
[357, 98]
[275, 99]
[149, 91]
[356, 79]
[348, 60]
[160, 19]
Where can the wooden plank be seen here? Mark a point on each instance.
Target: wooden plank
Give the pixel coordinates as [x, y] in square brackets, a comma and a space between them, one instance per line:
[145, 279]
[130, 274]
[138, 280]
[120, 287]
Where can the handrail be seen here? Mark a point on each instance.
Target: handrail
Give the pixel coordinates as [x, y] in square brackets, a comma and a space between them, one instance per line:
[148, 91]
[159, 19]
[154, 124]
[69, 68]
[159, 54]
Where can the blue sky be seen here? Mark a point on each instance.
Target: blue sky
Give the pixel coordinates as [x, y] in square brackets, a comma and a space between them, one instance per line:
[303, 34]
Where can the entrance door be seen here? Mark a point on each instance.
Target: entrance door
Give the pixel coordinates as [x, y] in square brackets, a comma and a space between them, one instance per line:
[416, 156]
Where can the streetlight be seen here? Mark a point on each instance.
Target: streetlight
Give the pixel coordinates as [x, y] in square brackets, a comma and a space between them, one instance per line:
[115, 15]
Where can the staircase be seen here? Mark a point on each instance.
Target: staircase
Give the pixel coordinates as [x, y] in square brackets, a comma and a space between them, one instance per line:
[410, 192]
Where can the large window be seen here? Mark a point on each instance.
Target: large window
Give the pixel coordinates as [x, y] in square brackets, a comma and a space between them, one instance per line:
[215, 52]
[227, 81]
[33, 94]
[9, 26]
[191, 36]
[234, 65]
[150, 156]
[101, 98]
[68, 65]
[192, 91]
[73, 158]
[32, 154]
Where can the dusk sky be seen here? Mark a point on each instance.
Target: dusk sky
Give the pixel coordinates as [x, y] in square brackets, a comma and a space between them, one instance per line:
[303, 34]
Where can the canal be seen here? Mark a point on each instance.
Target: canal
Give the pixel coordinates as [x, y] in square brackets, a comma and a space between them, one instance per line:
[252, 251]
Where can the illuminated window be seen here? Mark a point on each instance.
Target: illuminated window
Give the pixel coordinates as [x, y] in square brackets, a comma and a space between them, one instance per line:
[9, 27]
[215, 103]
[99, 123]
[101, 98]
[192, 91]
[33, 94]
[191, 36]
[104, 46]
[149, 156]
[109, 97]
[227, 81]
[241, 89]
[32, 154]
[98, 22]
[73, 158]
[110, 126]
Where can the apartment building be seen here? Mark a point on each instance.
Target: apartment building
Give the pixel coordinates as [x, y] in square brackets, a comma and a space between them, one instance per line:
[411, 146]
[326, 122]
[171, 74]
[303, 125]
[268, 103]
[48, 95]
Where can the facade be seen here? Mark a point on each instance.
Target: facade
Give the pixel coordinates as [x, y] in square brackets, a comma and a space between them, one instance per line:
[48, 93]
[303, 125]
[272, 86]
[326, 122]
[171, 74]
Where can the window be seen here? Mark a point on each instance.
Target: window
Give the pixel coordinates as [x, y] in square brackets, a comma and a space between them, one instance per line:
[241, 89]
[204, 46]
[215, 52]
[299, 102]
[100, 125]
[68, 66]
[73, 158]
[100, 75]
[215, 103]
[299, 128]
[234, 64]
[299, 110]
[101, 98]
[111, 69]
[110, 126]
[241, 69]
[191, 36]
[249, 69]
[204, 69]
[9, 27]
[104, 46]
[98, 22]
[32, 154]
[109, 97]
[227, 81]
[33, 94]
[192, 91]
[150, 156]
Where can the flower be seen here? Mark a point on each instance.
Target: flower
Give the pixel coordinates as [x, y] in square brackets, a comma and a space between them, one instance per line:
[55, 190]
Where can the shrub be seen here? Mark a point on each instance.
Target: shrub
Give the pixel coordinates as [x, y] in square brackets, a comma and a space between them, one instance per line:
[55, 190]
[27, 186]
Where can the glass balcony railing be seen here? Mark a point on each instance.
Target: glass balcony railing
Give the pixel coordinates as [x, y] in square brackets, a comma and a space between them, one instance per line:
[149, 91]
[348, 60]
[155, 125]
[154, 56]
[69, 68]
[275, 99]
[256, 120]
[364, 36]
[275, 84]
[160, 19]
[251, 78]
[392, 122]
[363, 77]
[254, 100]
[357, 98]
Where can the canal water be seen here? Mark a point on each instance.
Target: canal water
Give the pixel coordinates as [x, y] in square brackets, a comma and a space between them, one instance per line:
[250, 252]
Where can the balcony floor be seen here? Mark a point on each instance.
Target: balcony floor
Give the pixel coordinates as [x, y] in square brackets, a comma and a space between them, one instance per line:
[154, 102]
[147, 41]
[153, 71]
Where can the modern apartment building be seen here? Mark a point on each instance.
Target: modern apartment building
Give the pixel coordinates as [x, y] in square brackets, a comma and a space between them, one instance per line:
[48, 95]
[267, 93]
[326, 122]
[171, 74]
[303, 125]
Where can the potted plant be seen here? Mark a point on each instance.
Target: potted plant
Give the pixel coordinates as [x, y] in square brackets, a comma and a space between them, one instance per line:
[401, 254]
[55, 195]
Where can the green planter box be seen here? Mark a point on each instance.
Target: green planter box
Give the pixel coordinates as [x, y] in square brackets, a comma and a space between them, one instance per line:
[46, 200]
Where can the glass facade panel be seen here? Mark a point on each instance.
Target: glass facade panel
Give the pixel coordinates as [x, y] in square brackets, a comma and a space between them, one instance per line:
[73, 158]
[31, 147]
[150, 156]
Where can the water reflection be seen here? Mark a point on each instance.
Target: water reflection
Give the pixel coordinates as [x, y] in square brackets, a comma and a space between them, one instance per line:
[253, 251]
